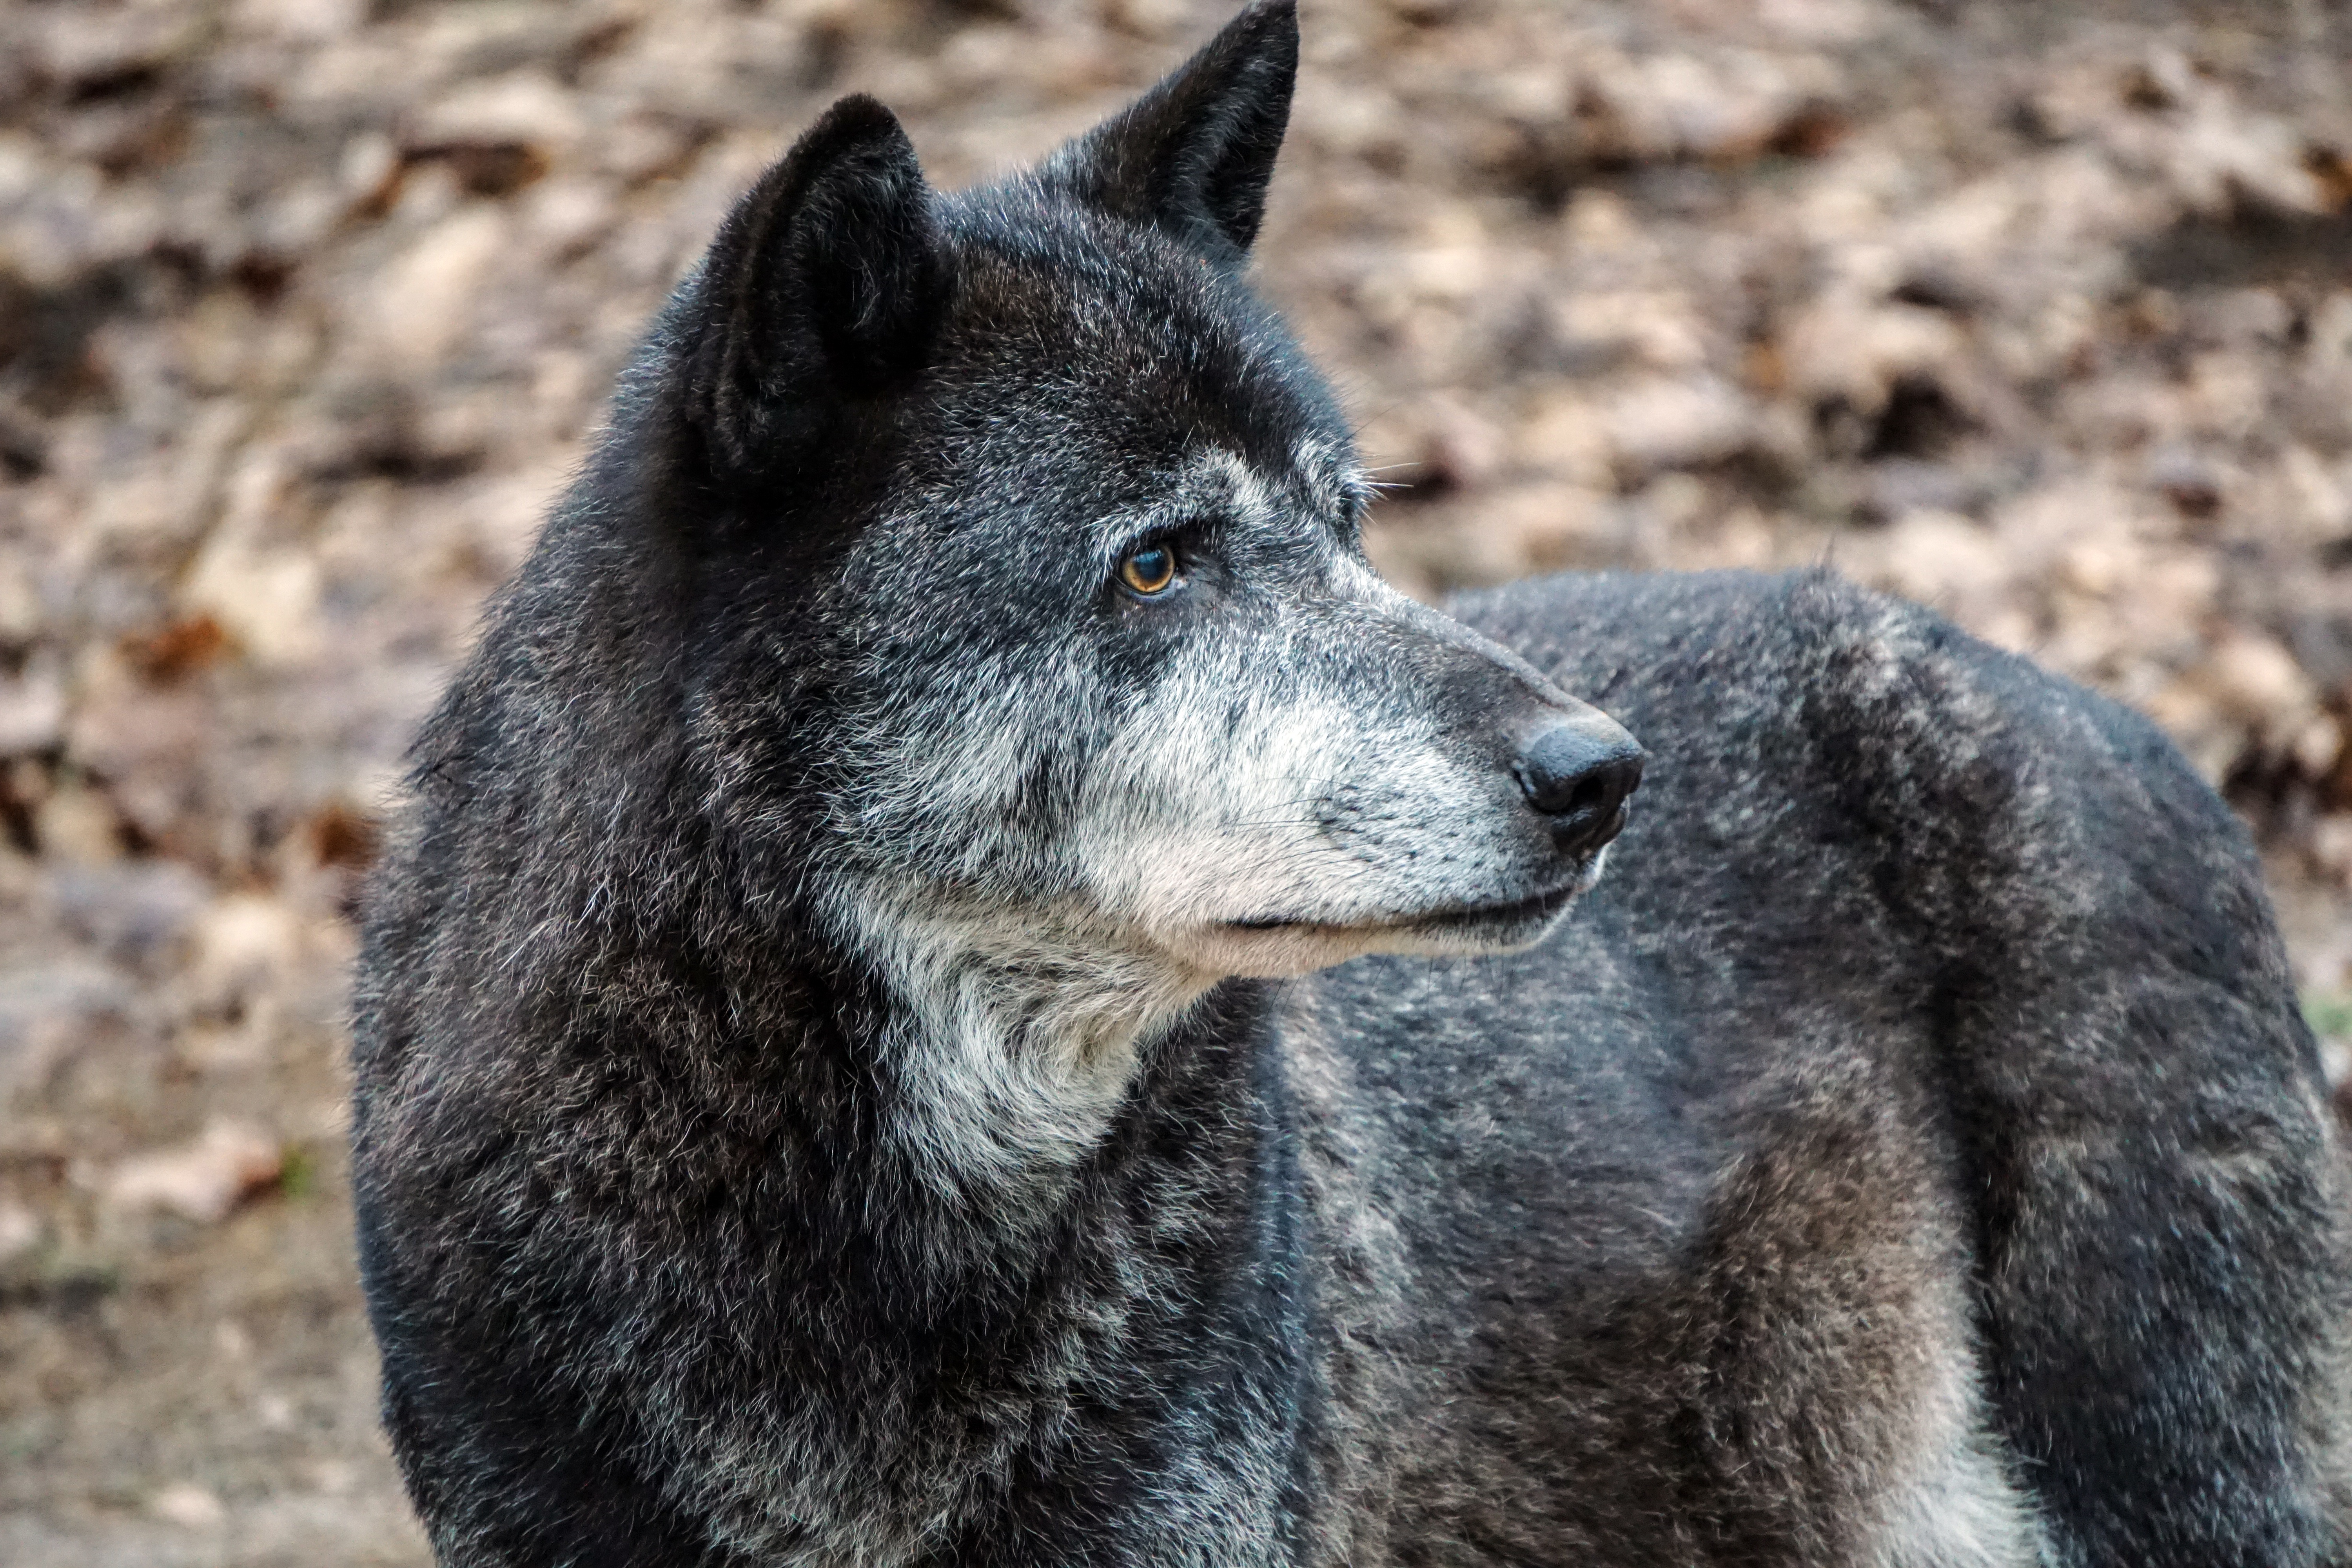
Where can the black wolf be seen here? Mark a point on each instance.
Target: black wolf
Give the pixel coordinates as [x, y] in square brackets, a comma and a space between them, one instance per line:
[856, 1064]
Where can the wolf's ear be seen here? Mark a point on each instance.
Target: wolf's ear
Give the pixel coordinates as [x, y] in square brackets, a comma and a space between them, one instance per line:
[1193, 155]
[825, 281]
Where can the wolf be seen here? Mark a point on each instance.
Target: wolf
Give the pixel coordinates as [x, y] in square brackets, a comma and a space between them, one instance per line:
[960, 983]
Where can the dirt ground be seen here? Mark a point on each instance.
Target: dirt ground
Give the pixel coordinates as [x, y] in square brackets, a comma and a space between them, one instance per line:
[2040, 314]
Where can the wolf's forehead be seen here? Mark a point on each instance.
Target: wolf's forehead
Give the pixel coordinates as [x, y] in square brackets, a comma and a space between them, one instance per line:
[1066, 304]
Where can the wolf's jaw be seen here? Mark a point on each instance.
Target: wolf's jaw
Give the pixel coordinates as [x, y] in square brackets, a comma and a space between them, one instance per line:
[1538, 907]
[1016, 1040]
[1461, 930]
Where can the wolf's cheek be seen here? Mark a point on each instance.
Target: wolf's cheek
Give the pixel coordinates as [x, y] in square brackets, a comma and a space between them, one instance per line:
[1286, 813]
[1202, 803]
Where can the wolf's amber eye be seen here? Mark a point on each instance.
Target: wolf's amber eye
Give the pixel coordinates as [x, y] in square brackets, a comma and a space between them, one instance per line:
[1149, 569]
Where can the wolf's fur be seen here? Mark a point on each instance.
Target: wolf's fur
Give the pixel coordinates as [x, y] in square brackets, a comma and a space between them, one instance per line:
[856, 1065]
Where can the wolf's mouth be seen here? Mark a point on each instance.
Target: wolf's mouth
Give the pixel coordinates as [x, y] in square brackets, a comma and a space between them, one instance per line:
[1518, 912]
[1542, 906]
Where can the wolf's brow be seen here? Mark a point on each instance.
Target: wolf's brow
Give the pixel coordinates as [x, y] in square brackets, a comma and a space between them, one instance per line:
[1337, 483]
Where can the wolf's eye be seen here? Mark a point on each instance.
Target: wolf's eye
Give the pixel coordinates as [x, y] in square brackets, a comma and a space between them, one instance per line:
[1149, 571]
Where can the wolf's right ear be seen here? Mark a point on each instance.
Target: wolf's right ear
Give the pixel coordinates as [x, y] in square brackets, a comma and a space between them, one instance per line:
[825, 282]
[1194, 154]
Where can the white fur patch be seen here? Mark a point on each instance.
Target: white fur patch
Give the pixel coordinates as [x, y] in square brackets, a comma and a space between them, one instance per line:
[1021, 1032]
[1958, 1507]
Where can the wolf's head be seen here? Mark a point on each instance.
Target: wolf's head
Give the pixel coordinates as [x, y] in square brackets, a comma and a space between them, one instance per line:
[1030, 601]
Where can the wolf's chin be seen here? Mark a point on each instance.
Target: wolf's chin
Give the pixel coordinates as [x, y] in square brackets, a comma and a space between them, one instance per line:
[1275, 948]
[1512, 928]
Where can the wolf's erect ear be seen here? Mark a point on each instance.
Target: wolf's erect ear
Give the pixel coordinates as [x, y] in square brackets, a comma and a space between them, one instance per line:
[825, 282]
[1194, 154]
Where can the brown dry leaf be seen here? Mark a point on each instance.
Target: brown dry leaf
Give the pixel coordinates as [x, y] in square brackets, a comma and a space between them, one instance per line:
[202, 1181]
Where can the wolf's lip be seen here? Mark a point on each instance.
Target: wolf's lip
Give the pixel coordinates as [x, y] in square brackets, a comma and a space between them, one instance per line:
[1540, 906]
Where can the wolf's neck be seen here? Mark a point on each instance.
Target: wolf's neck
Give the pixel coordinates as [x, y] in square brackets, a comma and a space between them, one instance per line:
[1014, 1048]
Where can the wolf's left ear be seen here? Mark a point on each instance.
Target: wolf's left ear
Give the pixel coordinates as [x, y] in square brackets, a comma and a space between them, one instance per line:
[825, 282]
[1194, 154]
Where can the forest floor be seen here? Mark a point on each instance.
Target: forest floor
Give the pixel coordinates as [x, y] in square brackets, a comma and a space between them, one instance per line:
[2038, 314]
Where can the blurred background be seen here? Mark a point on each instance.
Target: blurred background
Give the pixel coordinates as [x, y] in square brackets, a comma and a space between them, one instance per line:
[2040, 314]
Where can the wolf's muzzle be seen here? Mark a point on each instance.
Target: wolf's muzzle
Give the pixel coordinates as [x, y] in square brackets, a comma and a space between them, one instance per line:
[1577, 774]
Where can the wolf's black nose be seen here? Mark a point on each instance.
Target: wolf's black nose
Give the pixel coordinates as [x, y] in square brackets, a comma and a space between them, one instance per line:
[1579, 774]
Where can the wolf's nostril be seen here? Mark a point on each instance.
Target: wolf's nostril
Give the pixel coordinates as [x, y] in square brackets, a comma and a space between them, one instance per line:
[1578, 775]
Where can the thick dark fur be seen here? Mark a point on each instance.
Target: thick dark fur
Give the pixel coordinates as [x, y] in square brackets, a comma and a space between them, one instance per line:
[814, 1106]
